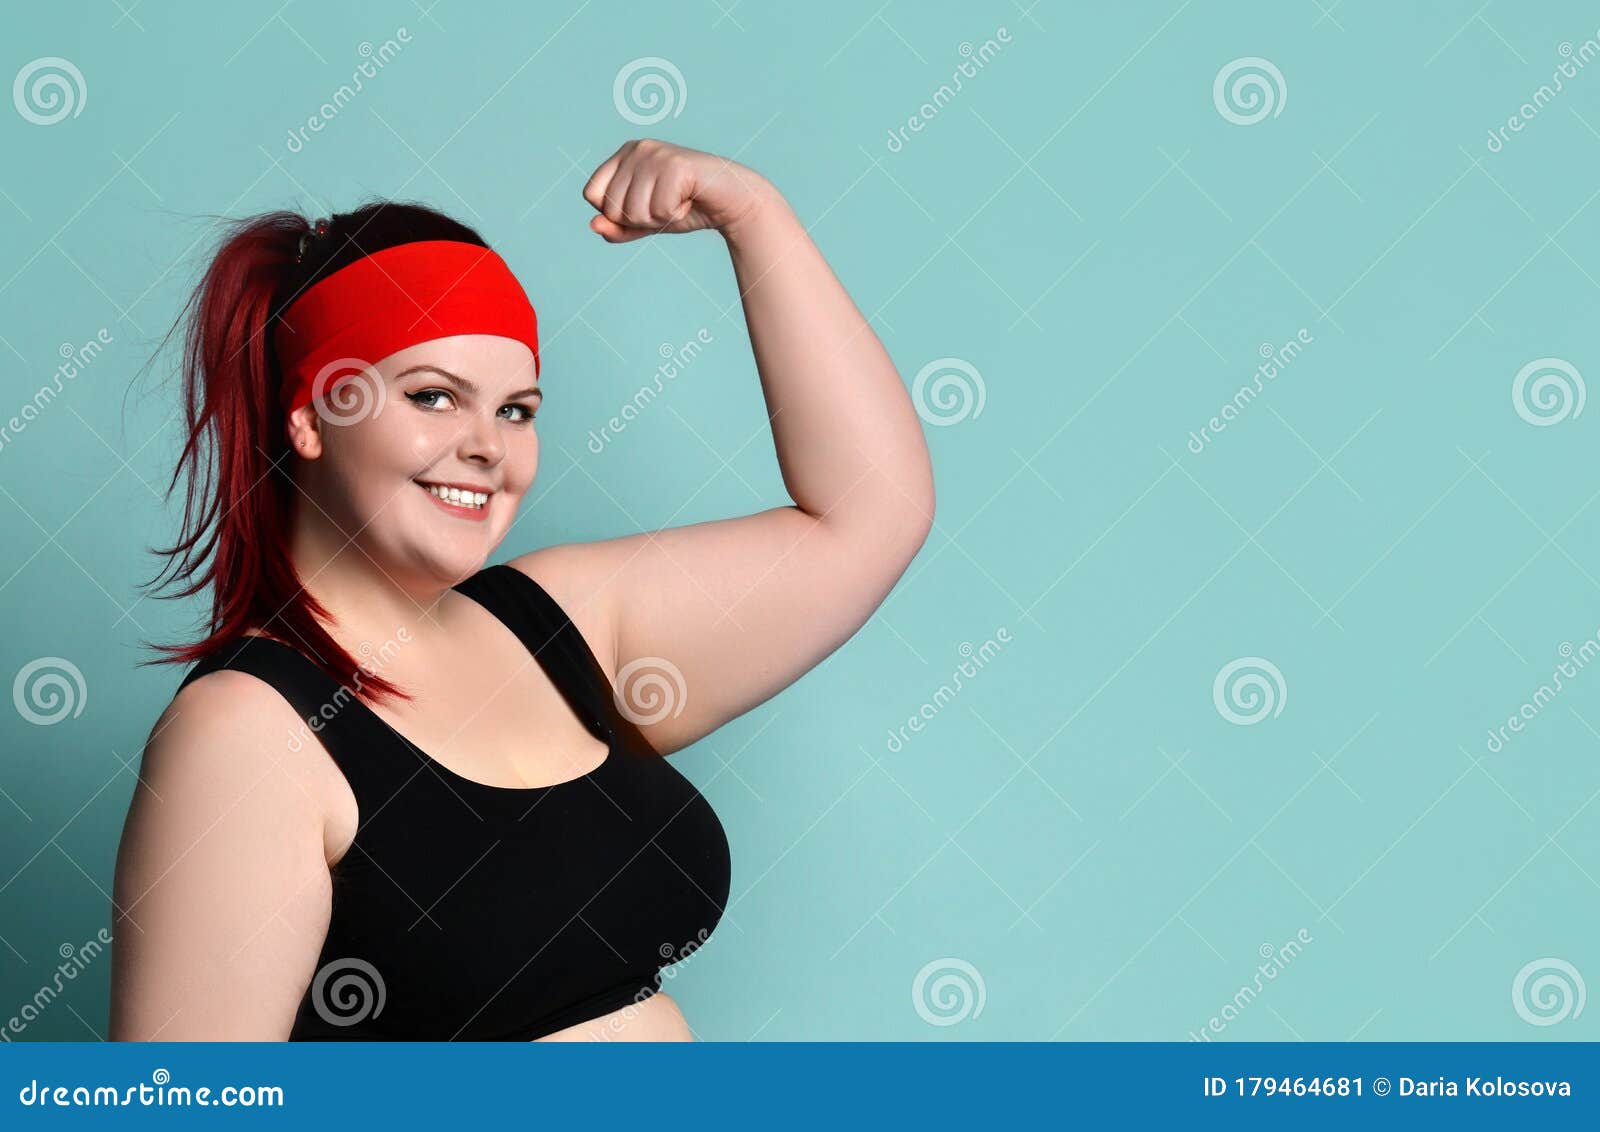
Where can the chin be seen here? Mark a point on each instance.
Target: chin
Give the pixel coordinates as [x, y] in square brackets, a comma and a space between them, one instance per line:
[459, 569]
[435, 566]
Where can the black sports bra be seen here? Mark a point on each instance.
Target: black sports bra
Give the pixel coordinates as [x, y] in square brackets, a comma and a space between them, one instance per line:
[464, 911]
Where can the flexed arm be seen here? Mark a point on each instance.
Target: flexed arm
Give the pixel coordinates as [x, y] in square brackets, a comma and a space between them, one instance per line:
[743, 607]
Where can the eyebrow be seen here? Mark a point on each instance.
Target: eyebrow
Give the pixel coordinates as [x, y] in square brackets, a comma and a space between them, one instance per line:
[470, 386]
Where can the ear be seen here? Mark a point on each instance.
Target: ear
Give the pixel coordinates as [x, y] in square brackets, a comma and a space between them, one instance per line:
[304, 428]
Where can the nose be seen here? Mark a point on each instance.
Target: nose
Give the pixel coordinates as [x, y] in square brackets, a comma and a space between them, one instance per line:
[481, 442]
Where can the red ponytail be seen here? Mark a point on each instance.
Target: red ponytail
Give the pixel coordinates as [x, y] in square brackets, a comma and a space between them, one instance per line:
[240, 498]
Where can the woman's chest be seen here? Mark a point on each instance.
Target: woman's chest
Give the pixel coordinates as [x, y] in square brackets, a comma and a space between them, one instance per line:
[494, 715]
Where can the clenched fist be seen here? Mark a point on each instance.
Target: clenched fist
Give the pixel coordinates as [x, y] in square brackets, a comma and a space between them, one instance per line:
[649, 186]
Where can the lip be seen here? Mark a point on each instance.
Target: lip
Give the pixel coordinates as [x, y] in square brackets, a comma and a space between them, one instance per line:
[472, 514]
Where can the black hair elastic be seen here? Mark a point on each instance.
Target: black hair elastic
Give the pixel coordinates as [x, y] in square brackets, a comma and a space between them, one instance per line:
[319, 229]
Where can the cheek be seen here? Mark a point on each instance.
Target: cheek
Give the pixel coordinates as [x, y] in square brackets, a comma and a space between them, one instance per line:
[522, 461]
[372, 461]
[395, 444]
[420, 443]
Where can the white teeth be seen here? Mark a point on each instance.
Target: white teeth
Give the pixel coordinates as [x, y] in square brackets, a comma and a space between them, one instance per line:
[469, 499]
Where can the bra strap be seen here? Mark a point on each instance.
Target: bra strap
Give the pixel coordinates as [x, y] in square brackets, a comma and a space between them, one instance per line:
[329, 712]
[545, 630]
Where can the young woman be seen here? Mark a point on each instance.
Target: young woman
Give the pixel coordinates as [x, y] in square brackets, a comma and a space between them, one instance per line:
[402, 794]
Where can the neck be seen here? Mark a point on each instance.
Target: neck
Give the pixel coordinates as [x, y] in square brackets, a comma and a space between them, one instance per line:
[370, 607]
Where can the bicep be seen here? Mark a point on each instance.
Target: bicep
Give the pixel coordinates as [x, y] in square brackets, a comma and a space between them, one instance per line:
[709, 620]
[222, 891]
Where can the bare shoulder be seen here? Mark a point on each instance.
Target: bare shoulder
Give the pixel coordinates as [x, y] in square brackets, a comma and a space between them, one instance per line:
[222, 889]
[228, 732]
[224, 724]
[577, 576]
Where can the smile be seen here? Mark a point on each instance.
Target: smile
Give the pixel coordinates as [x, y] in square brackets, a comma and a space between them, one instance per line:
[458, 500]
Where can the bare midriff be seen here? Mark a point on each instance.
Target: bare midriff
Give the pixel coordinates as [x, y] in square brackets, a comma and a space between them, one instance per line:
[656, 1019]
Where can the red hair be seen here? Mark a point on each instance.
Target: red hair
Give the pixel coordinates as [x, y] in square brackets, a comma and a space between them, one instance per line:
[239, 503]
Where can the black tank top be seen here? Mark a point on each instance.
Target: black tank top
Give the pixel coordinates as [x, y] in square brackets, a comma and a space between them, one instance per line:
[469, 912]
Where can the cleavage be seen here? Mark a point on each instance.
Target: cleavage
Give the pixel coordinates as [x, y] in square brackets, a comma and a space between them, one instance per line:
[494, 716]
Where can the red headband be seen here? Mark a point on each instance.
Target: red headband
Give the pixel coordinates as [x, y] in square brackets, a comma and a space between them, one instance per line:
[392, 299]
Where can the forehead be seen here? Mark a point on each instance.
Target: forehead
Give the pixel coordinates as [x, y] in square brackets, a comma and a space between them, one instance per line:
[485, 359]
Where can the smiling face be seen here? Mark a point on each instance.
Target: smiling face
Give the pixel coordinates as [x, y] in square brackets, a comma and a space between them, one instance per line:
[378, 469]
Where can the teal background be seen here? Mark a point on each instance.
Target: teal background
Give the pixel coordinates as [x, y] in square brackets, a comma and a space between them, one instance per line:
[1085, 229]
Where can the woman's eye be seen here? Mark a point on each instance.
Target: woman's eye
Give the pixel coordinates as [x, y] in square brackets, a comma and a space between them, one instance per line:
[427, 398]
[421, 397]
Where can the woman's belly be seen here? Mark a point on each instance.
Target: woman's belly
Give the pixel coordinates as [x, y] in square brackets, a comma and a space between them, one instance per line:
[656, 1019]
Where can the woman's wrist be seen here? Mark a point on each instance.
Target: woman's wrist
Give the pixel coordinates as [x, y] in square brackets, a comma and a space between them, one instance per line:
[766, 211]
